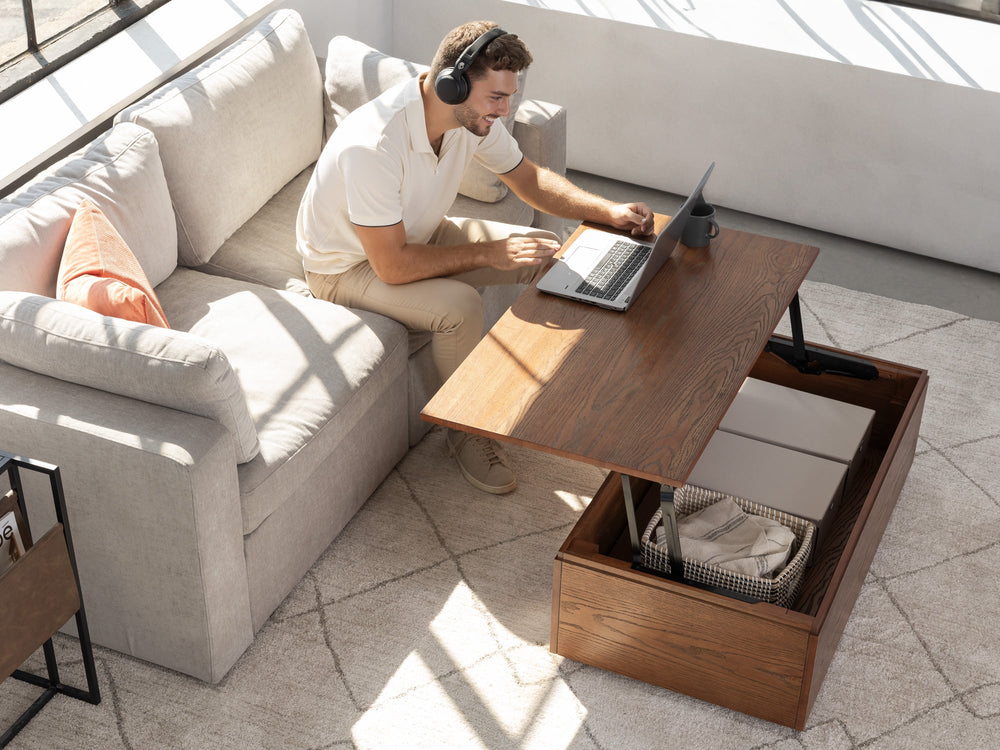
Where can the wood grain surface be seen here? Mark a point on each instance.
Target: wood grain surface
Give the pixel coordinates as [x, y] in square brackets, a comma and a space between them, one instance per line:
[638, 392]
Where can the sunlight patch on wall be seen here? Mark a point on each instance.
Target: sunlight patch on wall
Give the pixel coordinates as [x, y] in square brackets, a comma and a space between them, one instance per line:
[867, 33]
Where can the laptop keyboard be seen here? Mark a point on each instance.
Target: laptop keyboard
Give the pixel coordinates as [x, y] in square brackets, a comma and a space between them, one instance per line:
[616, 269]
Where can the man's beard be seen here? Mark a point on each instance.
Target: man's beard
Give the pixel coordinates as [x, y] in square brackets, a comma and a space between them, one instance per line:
[471, 120]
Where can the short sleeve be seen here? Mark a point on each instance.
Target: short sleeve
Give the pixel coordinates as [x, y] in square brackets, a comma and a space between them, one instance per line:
[372, 181]
[498, 151]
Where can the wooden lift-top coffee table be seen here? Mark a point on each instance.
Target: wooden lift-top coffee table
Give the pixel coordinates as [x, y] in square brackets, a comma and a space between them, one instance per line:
[640, 394]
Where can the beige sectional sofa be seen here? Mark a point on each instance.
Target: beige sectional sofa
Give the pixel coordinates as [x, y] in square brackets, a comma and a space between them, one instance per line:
[208, 465]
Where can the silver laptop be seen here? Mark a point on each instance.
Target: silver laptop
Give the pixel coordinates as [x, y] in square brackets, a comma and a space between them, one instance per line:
[611, 270]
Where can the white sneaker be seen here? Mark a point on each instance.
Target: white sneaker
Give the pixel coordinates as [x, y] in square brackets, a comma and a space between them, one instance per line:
[482, 461]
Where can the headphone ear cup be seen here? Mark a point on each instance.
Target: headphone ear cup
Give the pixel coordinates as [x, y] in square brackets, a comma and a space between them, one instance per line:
[450, 87]
[452, 84]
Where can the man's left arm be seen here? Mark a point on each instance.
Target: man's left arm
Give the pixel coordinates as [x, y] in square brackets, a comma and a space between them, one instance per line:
[547, 191]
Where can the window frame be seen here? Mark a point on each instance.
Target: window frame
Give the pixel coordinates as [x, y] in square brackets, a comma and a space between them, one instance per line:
[939, 6]
[20, 72]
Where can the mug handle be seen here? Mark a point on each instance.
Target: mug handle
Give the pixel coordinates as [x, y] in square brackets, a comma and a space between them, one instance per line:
[714, 232]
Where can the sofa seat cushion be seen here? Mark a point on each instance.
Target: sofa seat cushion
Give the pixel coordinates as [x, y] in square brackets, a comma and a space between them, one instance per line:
[158, 365]
[235, 130]
[310, 370]
[263, 250]
[119, 172]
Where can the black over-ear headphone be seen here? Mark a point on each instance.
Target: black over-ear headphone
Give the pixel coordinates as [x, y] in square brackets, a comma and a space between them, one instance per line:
[452, 84]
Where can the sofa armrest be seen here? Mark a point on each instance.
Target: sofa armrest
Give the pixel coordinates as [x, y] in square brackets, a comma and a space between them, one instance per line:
[162, 366]
[540, 131]
[154, 506]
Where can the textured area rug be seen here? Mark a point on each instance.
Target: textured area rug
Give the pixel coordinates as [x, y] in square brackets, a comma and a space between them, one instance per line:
[426, 623]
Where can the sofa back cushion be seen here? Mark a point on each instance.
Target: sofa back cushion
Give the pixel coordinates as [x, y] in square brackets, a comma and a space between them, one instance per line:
[162, 366]
[356, 73]
[235, 129]
[121, 174]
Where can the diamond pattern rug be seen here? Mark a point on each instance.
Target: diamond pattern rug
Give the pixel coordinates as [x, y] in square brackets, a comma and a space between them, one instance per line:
[426, 623]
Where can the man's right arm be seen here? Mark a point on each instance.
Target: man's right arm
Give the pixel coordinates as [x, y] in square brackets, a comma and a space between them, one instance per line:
[395, 261]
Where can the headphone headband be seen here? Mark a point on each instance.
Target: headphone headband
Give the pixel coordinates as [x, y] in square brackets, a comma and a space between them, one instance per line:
[452, 84]
[471, 52]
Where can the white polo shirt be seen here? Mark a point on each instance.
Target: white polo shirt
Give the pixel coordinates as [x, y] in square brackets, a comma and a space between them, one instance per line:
[379, 169]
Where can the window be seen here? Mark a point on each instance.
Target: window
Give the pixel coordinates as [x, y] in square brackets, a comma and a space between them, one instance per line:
[38, 36]
[987, 10]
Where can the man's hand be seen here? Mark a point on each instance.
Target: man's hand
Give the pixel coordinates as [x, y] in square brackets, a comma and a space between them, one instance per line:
[508, 254]
[547, 191]
[635, 217]
[395, 261]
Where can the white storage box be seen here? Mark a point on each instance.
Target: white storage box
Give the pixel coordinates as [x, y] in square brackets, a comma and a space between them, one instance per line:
[802, 421]
[790, 481]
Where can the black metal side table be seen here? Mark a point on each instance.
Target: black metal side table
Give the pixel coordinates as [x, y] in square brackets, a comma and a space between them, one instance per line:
[39, 592]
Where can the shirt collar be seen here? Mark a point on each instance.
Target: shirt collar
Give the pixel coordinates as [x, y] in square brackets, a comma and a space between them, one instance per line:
[416, 123]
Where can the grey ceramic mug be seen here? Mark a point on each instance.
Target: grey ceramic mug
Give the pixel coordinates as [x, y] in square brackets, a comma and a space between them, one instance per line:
[700, 227]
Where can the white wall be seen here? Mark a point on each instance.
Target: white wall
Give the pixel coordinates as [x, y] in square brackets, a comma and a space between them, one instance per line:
[895, 158]
[900, 148]
[368, 21]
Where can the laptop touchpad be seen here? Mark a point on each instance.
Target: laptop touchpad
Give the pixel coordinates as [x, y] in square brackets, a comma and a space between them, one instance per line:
[584, 258]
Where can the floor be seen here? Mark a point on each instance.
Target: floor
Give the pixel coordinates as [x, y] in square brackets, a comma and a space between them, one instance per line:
[845, 262]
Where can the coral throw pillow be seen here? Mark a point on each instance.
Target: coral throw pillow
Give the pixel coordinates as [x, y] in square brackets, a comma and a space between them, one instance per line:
[98, 271]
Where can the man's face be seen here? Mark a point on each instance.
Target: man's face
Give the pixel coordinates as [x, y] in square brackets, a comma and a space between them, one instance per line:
[488, 99]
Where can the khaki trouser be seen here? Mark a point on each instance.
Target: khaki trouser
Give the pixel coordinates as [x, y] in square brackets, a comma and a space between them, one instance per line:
[450, 308]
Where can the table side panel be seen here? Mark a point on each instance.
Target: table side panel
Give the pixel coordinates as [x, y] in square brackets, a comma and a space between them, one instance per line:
[682, 644]
[857, 558]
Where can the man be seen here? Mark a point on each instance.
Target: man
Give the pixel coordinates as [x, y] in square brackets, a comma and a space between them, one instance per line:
[372, 229]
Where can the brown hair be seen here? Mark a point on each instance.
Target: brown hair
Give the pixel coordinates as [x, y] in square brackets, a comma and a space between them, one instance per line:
[506, 52]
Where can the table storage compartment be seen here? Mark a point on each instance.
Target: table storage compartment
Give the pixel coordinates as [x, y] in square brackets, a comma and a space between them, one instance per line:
[758, 658]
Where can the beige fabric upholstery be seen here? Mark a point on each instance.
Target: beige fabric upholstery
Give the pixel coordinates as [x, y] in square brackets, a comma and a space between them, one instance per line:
[310, 371]
[259, 113]
[158, 365]
[121, 173]
[339, 470]
[513, 211]
[263, 250]
[182, 551]
[152, 496]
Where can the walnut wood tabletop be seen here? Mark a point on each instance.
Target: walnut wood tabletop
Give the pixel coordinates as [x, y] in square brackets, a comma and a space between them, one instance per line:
[639, 392]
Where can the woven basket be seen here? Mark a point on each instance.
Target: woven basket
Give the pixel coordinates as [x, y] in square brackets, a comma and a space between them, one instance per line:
[781, 589]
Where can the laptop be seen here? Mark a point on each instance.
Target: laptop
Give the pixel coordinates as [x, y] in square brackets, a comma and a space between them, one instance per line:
[611, 270]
